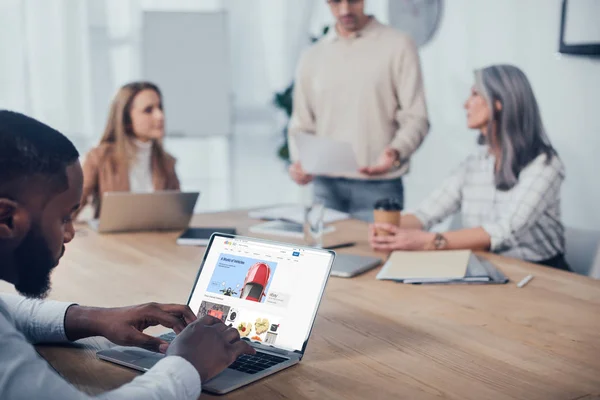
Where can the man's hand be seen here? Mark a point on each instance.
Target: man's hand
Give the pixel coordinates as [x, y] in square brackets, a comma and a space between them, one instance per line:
[384, 164]
[210, 346]
[125, 325]
[399, 239]
[298, 175]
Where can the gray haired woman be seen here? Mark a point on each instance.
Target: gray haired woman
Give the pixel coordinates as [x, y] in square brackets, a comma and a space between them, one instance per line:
[508, 192]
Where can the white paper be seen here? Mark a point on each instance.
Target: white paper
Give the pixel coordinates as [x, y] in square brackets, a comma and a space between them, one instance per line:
[295, 214]
[322, 156]
[279, 228]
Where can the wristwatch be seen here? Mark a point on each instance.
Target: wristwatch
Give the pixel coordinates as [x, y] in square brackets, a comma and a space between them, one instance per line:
[439, 243]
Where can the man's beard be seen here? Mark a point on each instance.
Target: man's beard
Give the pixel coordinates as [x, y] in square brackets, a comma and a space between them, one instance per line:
[34, 262]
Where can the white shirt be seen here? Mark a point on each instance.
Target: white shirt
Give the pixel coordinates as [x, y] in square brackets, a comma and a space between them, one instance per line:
[24, 375]
[140, 170]
[523, 222]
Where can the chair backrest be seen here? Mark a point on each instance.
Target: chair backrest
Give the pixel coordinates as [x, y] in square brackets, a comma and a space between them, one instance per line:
[582, 250]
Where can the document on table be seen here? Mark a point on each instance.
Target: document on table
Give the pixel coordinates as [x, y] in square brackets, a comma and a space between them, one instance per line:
[320, 155]
[295, 214]
[440, 267]
[425, 265]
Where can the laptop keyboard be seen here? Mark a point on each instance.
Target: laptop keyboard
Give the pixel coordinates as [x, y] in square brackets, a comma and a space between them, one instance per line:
[256, 363]
[248, 364]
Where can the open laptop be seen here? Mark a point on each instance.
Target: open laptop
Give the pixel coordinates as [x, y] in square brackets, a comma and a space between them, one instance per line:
[128, 212]
[270, 292]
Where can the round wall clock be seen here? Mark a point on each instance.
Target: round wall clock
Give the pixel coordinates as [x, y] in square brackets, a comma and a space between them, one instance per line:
[418, 18]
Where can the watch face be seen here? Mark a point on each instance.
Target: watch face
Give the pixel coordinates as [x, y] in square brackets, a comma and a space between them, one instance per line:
[418, 18]
[440, 241]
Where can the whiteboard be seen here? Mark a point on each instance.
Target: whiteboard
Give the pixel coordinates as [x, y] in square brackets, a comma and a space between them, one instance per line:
[187, 55]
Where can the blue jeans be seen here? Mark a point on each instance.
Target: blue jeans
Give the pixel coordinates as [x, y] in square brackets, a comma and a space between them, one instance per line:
[354, 196]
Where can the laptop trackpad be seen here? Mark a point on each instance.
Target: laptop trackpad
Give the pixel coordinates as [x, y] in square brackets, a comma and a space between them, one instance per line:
[139, 359]
[228, 380]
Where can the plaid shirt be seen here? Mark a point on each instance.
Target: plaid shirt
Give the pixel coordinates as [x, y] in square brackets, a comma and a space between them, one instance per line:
[523, 222]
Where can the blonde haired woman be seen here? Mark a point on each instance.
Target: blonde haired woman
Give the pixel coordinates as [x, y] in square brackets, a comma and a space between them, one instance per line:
[130, 155]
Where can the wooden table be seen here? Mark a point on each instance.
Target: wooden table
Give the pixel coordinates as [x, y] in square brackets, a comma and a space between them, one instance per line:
[372, 339]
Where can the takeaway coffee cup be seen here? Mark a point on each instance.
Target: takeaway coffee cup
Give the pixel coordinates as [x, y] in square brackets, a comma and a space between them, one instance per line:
[387, 211]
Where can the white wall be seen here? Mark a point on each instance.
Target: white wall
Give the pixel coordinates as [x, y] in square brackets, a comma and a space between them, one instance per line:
[476, 33]
[46, 77]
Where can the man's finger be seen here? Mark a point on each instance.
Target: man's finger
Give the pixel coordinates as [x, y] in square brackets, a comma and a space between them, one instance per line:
[167, 319]
[209, 320]
[147, 342]
[296, 169]
[241, 347]
[378, 169]
[220, 327]
[231, 335]
[180, 311]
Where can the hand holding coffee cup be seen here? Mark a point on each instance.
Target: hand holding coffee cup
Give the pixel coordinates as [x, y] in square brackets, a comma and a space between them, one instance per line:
[387, 211]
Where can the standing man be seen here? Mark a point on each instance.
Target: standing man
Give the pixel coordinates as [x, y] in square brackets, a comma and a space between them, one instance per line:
[360, 84]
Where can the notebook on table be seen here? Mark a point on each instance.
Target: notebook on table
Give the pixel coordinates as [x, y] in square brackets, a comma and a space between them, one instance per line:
[295, 214]
[284, 228]
[450, 266]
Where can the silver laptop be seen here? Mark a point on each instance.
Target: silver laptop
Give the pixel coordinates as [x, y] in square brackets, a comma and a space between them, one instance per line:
[349, 265]
[270, 292]
[128, 212]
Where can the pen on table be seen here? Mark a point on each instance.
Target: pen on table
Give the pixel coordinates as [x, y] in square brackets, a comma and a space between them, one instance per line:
[525, 281]
[339, 246]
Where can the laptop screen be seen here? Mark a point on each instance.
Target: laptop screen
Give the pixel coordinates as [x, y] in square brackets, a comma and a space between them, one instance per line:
[269, 292]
